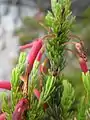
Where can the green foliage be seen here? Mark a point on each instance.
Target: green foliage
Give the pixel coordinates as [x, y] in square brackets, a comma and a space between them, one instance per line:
[81, 109]
[47, 90]
[60, 22]
[16, 94]
[84, 107]
[35, 113]
[54, 111]
[33, 83]
[68, 97]
[15, 80]
[86, 82]
[34, 71]
[6, 107]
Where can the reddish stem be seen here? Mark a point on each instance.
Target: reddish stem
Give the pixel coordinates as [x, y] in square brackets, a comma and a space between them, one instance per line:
[45, 106]
[26, 46]
[5, 85]
[74, 36]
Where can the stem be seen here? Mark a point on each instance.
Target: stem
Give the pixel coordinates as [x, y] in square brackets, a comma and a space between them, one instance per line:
[25, 80]
[48, 36]
[82, 62]
[43, 68]
[46, 28]
[66, 43]
[26, 46]
[74, 36]
[40, 82]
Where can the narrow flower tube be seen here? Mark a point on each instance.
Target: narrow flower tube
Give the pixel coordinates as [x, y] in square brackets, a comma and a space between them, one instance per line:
[81, 55]
[33, 53]
[83, 65]
[3, 116]
[20, 108]
[5, 85]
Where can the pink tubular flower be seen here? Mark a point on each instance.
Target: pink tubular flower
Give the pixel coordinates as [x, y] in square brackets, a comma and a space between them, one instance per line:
[3, 116]
[81, 56]
[83, 65]
[5, 85]
[29, 45]
[20, 108]
[33, 53]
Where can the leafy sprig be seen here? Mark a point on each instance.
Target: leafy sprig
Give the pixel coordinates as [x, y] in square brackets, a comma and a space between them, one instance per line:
[59, 21]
